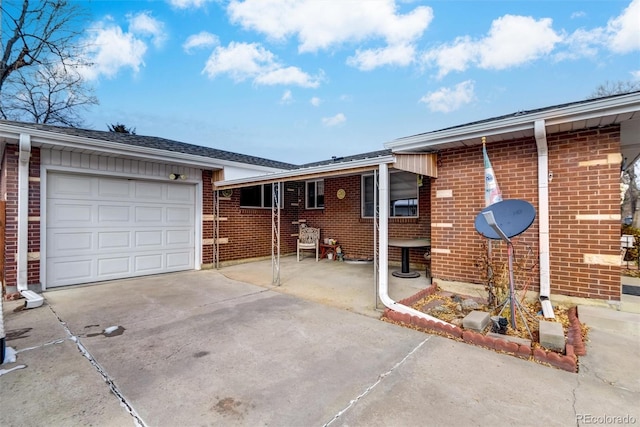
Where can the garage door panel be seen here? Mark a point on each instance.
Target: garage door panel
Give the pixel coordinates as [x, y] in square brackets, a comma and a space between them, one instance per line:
[180, 193]
[70, 241]
[114, 240]
[74, 269]
[148, 214]
[148, 190]
[149, 238]
[69, 213]
[110, 213]
[113, 188]
[179, 238]
[70, 186]
[148, 263]
[103, 228]
[179, 216]
[179, 260]
[110, 266]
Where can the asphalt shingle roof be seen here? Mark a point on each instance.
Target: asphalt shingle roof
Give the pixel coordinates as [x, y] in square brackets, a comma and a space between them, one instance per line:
[157, 143]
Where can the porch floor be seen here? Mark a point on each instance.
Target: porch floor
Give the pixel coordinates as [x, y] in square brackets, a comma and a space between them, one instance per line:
[339, 284]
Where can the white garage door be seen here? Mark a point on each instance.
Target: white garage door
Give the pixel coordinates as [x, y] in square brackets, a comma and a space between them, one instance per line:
[101, 228]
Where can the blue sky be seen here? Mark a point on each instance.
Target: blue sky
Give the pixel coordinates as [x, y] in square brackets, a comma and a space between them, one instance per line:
[305, 80]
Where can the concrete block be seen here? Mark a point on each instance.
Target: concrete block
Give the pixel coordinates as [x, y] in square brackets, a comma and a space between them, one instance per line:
[476, 320]
[552, 336]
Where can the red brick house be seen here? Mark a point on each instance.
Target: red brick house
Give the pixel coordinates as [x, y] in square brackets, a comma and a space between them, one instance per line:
[564, 159]
[85, 206]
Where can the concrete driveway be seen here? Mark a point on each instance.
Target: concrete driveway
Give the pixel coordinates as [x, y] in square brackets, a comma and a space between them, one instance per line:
[199, 349]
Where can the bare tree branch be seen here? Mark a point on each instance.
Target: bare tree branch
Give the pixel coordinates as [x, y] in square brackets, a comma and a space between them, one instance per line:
[38, 63]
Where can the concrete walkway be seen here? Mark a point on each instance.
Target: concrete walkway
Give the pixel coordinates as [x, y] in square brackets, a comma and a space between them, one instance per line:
[199, 348]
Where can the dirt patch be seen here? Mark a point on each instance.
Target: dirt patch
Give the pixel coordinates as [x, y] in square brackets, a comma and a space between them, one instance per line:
[521, 341]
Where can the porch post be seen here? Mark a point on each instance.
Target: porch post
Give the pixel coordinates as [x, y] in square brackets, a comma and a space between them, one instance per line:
[275, 233]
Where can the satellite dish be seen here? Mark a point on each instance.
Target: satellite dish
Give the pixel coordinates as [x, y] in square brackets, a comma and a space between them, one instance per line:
[502, 221]
[512, 217]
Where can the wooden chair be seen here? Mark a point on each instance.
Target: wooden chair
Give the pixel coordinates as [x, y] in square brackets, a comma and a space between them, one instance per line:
[308, 239]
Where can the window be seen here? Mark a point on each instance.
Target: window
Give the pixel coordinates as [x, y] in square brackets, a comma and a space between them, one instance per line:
[315, 194]
[403, 195]
[258, 196]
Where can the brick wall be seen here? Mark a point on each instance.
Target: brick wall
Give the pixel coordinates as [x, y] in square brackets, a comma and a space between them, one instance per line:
[249, 230]
[207, 220]
[585, 190]
[585, 182]
[10, 187]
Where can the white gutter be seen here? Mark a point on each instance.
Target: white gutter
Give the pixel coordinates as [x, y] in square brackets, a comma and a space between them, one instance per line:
[543, 216]
[22, 255]
[302, 172]
[383, 277]
[623, 105]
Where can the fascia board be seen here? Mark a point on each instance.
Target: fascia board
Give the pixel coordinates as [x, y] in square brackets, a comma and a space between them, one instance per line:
[39, 137]
[298, 173]
[586, 111]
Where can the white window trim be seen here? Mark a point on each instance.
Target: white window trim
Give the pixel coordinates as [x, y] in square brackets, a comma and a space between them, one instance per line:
[306, 193]
[262, 197]
[362, 188]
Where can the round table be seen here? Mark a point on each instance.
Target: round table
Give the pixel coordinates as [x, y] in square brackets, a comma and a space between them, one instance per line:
[405, 245]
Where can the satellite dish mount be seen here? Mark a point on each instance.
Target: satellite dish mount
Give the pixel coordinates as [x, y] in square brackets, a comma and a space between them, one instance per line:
[502, 221]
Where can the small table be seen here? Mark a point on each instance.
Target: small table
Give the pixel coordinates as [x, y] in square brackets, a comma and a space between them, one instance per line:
[327, 249]
[405, 245]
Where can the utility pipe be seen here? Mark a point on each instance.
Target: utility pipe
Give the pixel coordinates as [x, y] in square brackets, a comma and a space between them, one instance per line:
[383, 277]
[540, 133]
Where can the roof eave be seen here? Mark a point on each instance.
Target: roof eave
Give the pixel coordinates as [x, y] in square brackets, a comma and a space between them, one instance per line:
[73, 142]
[303, 173]
[518, 125]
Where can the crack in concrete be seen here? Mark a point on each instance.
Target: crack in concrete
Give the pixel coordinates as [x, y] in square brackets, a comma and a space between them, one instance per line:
[575, 400]
[105, 376]
[375, 384]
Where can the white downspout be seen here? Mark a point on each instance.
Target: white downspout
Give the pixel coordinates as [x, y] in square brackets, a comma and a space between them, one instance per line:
[383, 277]
[543, 216]
[24, 155]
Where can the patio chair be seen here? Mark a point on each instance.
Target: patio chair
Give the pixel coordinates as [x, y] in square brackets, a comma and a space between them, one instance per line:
[308, 239]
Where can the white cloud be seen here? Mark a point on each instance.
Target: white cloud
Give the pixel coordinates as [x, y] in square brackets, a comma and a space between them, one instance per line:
[144, 24]
[454, 57]
[511, 41]
[581, 43]
[315, 101]
[319, 25]
[336, 120]
[287, 97]
[201, 40]
[624, 36]
[370, 59]
[242, 61]
[110, 49]
[446, 100]
[186, 4]
[635, 75]
[515, 40]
